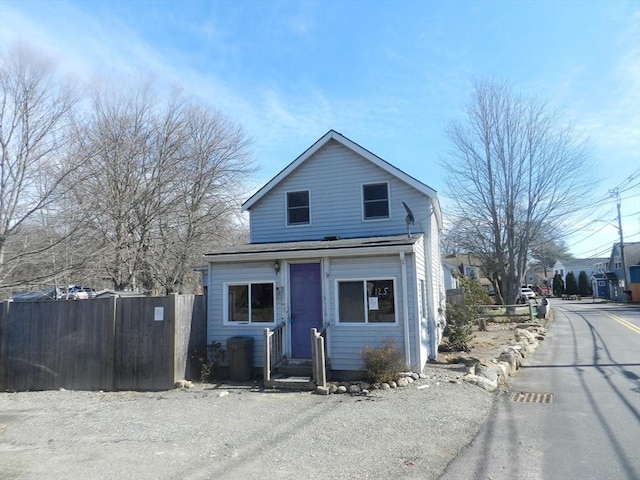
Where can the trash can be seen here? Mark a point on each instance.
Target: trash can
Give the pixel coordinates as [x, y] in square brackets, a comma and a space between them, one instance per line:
[240, 351]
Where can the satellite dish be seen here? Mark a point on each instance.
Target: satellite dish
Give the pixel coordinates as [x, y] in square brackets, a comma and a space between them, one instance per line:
[409, 219]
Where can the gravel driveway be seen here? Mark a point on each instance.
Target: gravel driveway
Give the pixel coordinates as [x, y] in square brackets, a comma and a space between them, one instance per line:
[241, 432]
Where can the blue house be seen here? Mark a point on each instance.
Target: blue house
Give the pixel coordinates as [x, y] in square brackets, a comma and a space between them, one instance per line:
[342, 242]
[623, 273]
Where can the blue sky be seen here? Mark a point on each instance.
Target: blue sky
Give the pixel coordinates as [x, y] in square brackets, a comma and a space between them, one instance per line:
[388, 75]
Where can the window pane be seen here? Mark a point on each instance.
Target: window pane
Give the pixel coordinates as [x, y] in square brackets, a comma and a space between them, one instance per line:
[262, 302]
[297, 207]
[298, 215]
[351, 302]
[377, 209]
[298, 199]
[376, 200]
[238, 303]
[381, 301]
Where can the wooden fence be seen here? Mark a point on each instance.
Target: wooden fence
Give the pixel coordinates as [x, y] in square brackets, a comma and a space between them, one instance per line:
[142, 343]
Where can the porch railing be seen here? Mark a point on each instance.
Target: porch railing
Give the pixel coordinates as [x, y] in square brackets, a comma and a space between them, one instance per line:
[273, 350]
[318, 355]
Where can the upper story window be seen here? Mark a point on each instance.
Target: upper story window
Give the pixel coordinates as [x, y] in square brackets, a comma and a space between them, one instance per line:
[298, 208]
[617, 262]
[375, 198]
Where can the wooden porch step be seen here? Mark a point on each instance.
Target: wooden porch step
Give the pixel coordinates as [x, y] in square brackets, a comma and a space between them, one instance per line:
[298, 368]
[292, 382]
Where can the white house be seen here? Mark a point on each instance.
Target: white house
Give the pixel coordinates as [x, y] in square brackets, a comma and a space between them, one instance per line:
[577, 265]
[340, 241]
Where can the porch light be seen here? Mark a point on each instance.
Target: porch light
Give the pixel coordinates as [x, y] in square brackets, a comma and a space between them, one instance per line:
[276, 266]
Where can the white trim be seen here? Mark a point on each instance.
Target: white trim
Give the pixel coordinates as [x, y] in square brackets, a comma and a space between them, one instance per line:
[405, 309]
[364, 300]
[304, 254]
[225, 303]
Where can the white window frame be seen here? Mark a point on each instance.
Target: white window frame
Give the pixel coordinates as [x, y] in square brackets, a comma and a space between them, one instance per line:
[366, 301]
[286, 208]
[225, 302]
[375, 219]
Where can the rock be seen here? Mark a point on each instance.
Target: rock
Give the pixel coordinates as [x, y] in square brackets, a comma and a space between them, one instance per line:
[385, 386]
[223, 394]
[525, 335]
[354, 389]
[423, 376]
[415, 376]
[365, 391]
[320, 390]
[403, 381]
[365, 386]
[482, 382]
[511, 358]
[333, 388]
[342, 389]
[487, 370]
[393, 384]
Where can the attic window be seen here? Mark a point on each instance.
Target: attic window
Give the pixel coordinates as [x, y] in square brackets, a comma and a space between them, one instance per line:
[375, 198]
[298, 208]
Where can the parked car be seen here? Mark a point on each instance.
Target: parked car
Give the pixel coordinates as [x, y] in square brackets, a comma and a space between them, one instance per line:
[528, 293]
[77, 292]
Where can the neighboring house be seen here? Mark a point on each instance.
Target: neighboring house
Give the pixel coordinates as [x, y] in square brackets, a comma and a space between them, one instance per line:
[468, 266]
[577, 265]
[451, 275]
[331, 247]
[616, 274]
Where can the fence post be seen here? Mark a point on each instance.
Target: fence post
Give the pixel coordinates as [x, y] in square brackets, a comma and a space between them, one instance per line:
[111, 346]
[322, 371]
[530, 312]
[4, 345]
[266, 367]
[173, 309]
[314, 355]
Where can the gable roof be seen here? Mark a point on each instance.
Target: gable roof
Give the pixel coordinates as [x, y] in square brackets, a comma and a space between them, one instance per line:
[366, 154]
[581, 262]
[631, 253]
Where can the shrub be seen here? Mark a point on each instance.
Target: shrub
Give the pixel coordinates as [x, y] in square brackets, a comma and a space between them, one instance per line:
[215, 356]
[460, 318]
[463, 314]
[383, 364]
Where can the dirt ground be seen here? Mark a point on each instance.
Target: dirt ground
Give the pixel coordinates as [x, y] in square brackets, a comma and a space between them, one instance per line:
[486, 345]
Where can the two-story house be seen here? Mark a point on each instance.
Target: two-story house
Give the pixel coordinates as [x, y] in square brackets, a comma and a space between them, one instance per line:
[340, 241]
[623, 276]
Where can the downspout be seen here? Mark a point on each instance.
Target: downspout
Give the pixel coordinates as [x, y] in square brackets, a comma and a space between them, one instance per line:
[405, 308]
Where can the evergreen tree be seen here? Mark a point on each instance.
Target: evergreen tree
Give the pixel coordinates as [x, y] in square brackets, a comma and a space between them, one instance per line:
[558, 285]
[572, 285]
[584, 286]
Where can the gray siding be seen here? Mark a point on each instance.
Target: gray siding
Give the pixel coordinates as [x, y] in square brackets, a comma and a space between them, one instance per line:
[237, 272]
[346, 341]
[334, 177]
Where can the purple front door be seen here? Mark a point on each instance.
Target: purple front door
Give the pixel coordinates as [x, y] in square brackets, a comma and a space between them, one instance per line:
[306, 306]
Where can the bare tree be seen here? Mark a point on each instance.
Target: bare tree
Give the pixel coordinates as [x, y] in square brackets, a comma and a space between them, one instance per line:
[207, 188]
[515, 172]
[35, 107]
[160, 185]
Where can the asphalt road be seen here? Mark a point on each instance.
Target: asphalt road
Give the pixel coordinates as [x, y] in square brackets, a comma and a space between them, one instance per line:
[590, 362]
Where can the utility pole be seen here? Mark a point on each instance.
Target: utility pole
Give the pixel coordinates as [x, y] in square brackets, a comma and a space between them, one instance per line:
[615, 192]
